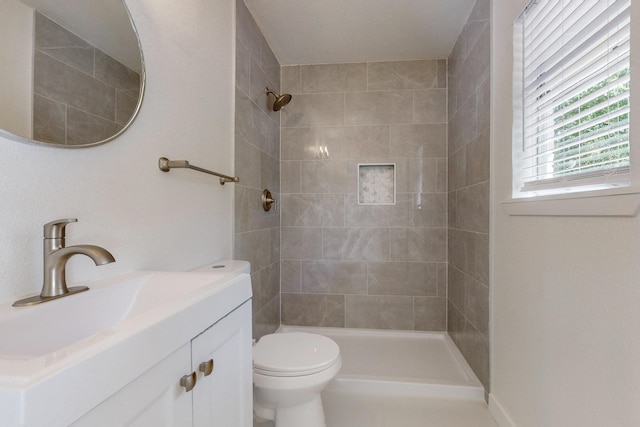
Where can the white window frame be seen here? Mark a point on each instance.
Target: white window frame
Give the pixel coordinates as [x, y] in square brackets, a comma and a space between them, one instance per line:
[623, 200]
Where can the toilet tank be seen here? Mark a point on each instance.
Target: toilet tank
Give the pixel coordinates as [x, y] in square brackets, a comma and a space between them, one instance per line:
[228, 266]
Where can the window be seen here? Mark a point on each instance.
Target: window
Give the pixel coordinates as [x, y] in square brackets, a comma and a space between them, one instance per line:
[571, 97]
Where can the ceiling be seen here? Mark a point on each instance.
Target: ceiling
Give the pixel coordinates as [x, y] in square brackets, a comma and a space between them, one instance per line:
[339, 31]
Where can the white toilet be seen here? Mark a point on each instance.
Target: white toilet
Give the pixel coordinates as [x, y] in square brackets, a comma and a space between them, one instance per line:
[289, 372]
[289, 369]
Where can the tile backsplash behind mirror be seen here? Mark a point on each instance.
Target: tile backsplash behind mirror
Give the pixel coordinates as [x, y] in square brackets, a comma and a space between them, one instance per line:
[81, 94]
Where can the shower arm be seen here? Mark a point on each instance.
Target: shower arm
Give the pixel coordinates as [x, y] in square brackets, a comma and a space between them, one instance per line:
[281, 100]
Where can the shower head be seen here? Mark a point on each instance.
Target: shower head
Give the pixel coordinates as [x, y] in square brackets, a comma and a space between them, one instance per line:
[281, 100]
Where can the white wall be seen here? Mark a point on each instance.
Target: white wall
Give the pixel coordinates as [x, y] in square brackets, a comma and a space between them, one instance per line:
[148, 219]
[565, 293]
[16, 47]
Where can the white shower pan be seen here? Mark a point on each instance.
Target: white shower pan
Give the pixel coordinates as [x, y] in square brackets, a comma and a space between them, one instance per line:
[399, 362]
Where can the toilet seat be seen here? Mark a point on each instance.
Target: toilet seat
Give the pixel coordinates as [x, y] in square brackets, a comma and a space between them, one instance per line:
[294, 354]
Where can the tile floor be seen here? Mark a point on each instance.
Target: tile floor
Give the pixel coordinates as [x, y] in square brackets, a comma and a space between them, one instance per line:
[348, 409]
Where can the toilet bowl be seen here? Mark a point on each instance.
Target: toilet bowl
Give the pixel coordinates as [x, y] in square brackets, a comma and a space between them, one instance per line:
[289, 372]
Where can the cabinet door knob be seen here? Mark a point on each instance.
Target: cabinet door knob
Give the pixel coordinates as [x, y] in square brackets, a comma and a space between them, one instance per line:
[206, 367]
[189, 381]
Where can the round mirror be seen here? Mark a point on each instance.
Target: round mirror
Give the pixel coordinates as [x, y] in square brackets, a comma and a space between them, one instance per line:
[72, 71]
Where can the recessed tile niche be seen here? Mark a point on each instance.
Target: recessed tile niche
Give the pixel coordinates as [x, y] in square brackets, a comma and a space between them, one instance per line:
[376, 184]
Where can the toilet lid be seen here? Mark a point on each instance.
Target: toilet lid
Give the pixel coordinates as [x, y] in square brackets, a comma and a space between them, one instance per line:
[294, 353]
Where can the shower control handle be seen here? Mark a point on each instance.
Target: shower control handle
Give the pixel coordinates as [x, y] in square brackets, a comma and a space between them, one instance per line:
[268, 201]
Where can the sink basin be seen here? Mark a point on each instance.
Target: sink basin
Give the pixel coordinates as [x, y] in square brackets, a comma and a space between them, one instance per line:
[49, 350]
[46, 328]
[43, 329]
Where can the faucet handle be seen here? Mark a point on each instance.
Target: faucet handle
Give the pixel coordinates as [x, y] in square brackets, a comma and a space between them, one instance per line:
[55, 229]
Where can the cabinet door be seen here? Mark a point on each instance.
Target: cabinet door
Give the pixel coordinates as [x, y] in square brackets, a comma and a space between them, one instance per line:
[154, 399]
[224, 398]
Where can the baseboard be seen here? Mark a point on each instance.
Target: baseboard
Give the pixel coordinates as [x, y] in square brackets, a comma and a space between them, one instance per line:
[499, 414]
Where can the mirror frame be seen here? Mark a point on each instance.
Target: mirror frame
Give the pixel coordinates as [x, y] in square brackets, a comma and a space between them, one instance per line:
[12, 136]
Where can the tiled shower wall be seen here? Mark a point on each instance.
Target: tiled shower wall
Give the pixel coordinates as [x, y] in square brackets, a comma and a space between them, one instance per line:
[364, 266]
[468, 269]
[81, 95]
[257, 154]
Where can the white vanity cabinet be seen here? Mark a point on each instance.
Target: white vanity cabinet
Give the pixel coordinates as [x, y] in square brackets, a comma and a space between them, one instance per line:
[155, 398]
[224, 397]
[219, 359]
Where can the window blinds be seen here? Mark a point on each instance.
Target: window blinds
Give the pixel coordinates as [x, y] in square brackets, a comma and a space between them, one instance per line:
[575, 92]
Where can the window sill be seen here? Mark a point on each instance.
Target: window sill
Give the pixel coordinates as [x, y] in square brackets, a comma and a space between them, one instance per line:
[621, 203]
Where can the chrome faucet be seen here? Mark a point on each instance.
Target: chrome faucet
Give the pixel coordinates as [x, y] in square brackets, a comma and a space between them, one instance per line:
[55, 260]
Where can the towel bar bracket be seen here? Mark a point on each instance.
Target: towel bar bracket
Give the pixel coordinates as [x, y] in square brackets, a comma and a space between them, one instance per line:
[165, 165]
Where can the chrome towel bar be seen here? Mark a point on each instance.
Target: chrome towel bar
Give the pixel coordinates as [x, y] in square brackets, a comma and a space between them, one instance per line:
[165, 165]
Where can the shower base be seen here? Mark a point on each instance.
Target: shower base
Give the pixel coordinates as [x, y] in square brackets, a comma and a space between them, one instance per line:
[399, 363]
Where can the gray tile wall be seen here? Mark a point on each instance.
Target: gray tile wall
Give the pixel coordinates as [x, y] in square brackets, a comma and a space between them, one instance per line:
[81, 95]
[257, 163]
[349, 265]
[468, 219]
